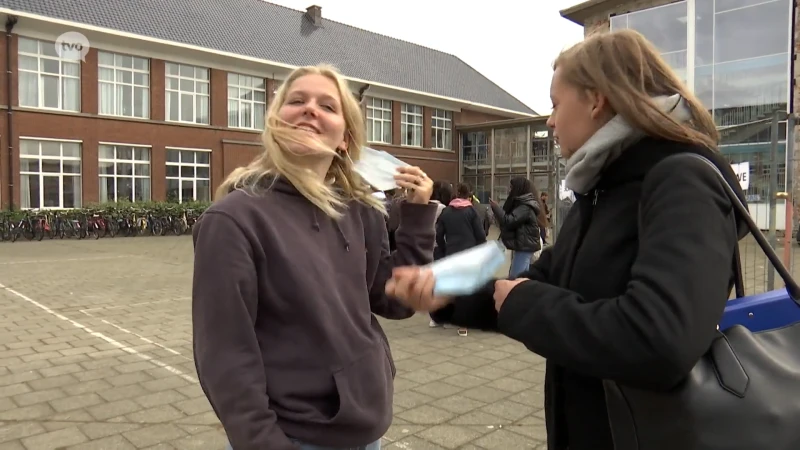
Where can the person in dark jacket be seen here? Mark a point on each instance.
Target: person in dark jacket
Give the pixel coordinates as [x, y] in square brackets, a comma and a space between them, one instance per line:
[290, 265]
[459, 226]
[441, 197]
[520, 221]
[637, 281]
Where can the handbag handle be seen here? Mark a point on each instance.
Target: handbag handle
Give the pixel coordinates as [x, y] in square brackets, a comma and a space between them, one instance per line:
[791, 286]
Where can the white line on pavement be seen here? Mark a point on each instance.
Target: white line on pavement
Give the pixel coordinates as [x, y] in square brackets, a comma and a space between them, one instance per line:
[174, 352]
[43, 261]
[102, 336]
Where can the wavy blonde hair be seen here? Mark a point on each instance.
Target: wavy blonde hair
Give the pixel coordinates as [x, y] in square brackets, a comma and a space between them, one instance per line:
[277, 158]
[629, 71]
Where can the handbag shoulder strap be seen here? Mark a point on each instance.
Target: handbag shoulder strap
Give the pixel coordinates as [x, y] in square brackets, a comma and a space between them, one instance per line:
[743, 213]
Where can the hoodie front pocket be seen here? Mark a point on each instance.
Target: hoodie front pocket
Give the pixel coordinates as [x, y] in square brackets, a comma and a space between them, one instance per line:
[365, 389]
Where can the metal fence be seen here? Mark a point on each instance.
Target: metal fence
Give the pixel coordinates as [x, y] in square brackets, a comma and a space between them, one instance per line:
[762, 153]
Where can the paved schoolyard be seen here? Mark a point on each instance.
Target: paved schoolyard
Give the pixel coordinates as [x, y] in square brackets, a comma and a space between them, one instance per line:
[95, 353]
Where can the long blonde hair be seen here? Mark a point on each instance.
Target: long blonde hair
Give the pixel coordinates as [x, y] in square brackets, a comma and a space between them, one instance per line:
[629, 71]
[277, 159]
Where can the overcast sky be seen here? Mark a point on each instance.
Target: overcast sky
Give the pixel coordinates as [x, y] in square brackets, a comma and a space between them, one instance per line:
[526, 35]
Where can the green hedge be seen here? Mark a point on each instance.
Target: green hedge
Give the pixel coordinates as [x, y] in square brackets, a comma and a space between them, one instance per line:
[117, 208]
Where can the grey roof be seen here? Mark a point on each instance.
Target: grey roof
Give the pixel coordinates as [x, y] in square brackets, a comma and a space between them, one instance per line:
[264, 30]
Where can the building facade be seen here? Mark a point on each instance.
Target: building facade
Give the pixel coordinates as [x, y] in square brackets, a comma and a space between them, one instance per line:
[137, 117]
[737, 56]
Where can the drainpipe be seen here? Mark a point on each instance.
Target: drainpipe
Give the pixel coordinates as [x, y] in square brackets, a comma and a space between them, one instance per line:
[10, 22]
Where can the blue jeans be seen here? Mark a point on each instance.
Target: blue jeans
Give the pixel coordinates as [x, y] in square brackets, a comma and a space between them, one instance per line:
[520, 261]
[374, 446]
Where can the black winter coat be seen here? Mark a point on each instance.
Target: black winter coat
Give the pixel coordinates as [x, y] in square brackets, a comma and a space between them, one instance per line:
[519, 229]
[631, 291]
[458, 229]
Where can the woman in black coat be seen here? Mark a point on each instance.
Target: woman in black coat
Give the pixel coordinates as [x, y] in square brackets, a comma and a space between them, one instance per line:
[521, 221]
[635, 284]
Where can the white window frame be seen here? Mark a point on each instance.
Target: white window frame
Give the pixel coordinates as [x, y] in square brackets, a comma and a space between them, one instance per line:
[40, 75]
[117, 82]
[180, 179]
[133, 176]
[244, 90]
[411, 116]
[377, 111]
[200, 93]
[61, 175]
[442, 123]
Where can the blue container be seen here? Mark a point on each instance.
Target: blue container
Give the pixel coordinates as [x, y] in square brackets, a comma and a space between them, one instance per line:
[767, 311]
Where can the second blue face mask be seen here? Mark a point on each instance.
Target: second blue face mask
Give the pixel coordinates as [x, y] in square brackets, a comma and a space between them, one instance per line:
[465, 272]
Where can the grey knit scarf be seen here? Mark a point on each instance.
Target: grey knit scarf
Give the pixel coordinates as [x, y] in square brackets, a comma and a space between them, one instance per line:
[585, 166]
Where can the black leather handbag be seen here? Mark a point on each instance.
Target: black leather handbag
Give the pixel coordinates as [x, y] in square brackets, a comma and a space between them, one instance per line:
[743, 394]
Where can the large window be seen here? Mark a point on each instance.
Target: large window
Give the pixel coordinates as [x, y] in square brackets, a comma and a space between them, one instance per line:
[247, 101]
[441, 129]
[50, 174]
[45, 79]
[188, 97]
[411, 125]
[665, 27]
[476, 166]
[124, 172]
[740, 69]
[124, 83]
[379, 120]
[188, 175]
[742, 58]
[742, 52]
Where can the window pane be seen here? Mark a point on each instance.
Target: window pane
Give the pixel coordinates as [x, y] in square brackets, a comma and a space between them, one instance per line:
[50, 148]
[187, 71]
[141, 170]
[203, 193]
[187, 108]
[71, 94]
[141, 188]
[51, 189]
[107, 189]
[28, 89]
[49, 66]
[202, 172]
[50, 94]
[141, 63]
[28, 63]
[105, 58]
[187, 171]
[172, 155]
[202, 110]
[172, 69]
[187, 156]
[28, 165]
[105, 168]
[141, 79]
[70, 69]
[27, 45]
[72, 192]
[173, 192]
[27, 147]
[172, 171]
[202, 157]
[124, 189]
[751, 32]
[187, 190]
[173, 106]
[124, 169]
[30, 191]
[71, 166]
[141, 154]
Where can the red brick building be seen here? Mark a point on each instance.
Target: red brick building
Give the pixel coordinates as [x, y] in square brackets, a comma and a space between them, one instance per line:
[165, 103]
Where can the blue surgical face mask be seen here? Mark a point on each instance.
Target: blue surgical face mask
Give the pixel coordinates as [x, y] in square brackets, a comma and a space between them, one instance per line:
[378, 168]
[465, 272]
